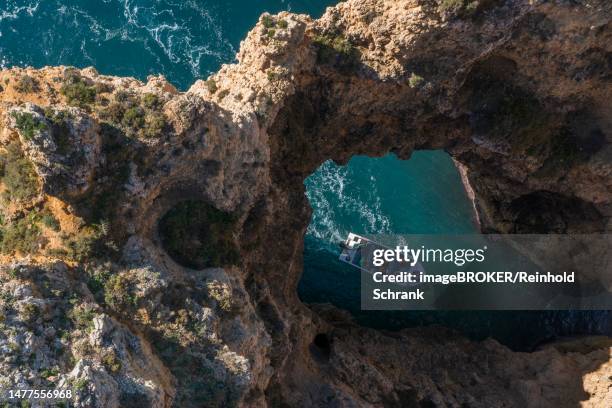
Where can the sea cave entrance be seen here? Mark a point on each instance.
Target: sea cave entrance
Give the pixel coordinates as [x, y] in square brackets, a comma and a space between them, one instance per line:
[422, 195]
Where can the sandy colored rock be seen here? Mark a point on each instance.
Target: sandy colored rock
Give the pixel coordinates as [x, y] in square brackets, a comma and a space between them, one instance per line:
[516, 91]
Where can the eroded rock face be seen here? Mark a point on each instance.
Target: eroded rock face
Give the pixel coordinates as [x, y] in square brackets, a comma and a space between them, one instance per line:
[516, 91]
[66, 149]
[50, 323]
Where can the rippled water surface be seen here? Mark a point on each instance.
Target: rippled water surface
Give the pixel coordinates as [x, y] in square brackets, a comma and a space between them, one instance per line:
[423, 195]
[376, 196]
[183, 39]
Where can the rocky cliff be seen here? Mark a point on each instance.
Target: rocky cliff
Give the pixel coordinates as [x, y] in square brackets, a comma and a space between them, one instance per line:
[151, 240]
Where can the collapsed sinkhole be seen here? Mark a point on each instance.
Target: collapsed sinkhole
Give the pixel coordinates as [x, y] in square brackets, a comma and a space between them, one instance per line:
[197, 235]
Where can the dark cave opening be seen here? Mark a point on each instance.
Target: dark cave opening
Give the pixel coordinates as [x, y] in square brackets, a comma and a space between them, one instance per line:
[196, 235]
[321, 347]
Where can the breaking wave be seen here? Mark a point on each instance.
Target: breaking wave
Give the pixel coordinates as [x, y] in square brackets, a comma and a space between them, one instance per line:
[184, 40]
[344, 198]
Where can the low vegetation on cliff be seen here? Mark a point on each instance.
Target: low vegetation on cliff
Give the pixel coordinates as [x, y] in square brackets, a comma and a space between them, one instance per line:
[27, 124]
[17, 175]
[138, 116]
[77, 90]
[27, 84]
[465, 8]
[22, 235]
[271, 24]
[335, 49]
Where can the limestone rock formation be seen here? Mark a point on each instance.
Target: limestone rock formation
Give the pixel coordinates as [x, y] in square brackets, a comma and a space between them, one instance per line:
[161, 232]
[64, 151]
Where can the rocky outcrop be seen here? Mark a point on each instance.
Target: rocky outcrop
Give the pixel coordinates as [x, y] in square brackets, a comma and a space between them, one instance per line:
[516, 91]
[95, 357]
[64, 151]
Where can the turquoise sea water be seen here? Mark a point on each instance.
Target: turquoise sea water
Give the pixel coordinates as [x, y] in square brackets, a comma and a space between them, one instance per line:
[182, 39]
[188, 39]
[376, 196]
[423, 195]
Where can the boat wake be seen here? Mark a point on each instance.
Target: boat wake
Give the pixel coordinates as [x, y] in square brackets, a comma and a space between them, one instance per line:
[344, 199]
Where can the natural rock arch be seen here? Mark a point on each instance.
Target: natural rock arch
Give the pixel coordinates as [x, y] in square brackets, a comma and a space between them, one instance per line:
[489, 102]
[516, 92]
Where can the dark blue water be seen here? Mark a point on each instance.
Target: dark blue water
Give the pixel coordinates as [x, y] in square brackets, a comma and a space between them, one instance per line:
[376, 196]
[188, 39]
[182, 39]
[423, 195]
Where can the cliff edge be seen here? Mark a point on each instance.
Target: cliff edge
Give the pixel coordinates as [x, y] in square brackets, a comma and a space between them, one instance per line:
[151, 240]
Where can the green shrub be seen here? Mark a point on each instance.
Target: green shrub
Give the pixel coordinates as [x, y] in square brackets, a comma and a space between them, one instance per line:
[212, 86]
[223, 94]
[82, 316]
[117, 292]
[79, 247]
[111, 362]
[97, 280]
[30, 312]
[271, 24]
[336, 42]
[151, 101]
[450, 5]
[27, 124]
[22, 235]
[133, 118]
[80, 384]
[49, 220]
[27, 84]
[155, 123]
[268, 21]
[459, 6]
[77, 91]
[123, 96]
[17, 174]
[198, 236]
[335, 49]
[56, 117]
[272, 76]
[222, 294]
[137, 117]
[114, 112]
[102, 87]
[415, 80]
[49, 372]
[57, 253]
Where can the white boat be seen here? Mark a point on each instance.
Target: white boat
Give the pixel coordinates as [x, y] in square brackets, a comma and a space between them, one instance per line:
[358, 250]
